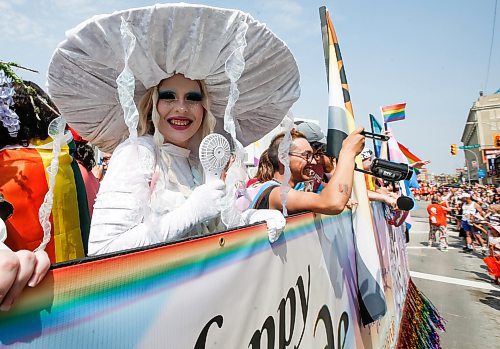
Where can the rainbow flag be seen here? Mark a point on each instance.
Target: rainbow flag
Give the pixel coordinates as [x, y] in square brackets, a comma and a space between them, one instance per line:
[24, 182]
[394, 112]
[412, 158]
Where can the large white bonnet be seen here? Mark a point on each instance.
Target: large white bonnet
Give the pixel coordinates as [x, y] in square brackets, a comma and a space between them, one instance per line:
[194, 40]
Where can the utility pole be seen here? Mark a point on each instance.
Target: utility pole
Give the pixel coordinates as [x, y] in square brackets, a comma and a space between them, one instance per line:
[468, 167]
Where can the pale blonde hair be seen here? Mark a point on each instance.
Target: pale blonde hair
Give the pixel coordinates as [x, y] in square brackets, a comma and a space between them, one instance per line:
[149, 118]
[148, 114]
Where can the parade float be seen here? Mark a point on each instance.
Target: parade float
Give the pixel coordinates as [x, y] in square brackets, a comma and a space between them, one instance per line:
[327, 282]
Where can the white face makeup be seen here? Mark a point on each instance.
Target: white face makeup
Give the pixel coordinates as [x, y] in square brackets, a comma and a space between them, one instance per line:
[180, 108]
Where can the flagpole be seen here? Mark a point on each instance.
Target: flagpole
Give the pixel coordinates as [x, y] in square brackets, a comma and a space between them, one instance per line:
[373, 131]
[385, 129]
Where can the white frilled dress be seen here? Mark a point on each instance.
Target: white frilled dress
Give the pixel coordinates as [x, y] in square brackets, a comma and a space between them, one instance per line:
[142, 197]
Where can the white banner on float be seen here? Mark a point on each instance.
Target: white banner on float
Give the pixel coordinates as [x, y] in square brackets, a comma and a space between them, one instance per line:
[286, 296]
[229, 290]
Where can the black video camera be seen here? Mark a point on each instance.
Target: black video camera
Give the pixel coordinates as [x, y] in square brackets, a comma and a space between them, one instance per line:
[391, 171]
[388, 170]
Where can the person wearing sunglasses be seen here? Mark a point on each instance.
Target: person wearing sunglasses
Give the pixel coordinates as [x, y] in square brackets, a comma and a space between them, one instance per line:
[324, 166]
[331, 200]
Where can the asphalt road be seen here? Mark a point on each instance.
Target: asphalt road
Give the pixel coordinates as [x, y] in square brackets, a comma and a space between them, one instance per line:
[459, 286]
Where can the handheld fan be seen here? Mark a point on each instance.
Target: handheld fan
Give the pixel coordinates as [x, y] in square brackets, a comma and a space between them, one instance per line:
[214, 154]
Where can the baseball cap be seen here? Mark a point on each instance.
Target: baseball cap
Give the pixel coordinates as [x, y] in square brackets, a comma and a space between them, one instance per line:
[465, 195]
[312, 132]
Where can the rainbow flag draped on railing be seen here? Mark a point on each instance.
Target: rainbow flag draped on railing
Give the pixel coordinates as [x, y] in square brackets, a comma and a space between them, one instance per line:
[24, 182]
[393, 112]
[371, 298]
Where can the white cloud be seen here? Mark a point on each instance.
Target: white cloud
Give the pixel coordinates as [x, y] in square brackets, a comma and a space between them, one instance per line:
[15, 2]
[15, 25]
[285, 16]
[283, 12]
[80, 9]
[44, 22]
[288, 6]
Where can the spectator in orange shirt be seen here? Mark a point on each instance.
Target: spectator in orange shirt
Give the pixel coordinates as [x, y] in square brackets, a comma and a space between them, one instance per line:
[437, 223]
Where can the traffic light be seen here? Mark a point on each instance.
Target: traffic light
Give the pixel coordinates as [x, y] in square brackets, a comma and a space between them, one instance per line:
[453, 149]
[497, 140]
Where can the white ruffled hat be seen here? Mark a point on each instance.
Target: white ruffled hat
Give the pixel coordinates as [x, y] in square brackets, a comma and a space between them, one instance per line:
[193, 40]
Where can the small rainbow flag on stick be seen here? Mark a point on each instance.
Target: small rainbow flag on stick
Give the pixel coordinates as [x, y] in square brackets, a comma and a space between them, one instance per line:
[394, 112]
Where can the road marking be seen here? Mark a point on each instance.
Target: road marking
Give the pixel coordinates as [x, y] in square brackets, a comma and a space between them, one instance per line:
[455, 281]
[427, 247]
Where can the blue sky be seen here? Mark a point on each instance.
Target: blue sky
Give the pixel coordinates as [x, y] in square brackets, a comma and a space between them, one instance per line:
[433, 55]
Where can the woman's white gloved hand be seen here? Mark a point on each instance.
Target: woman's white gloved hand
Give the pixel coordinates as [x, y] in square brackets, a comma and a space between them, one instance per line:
[274, 220]
[275, 225]
[205, 200]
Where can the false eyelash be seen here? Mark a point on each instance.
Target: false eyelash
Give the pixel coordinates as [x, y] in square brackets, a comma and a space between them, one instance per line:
[166, 95]
[194, 96]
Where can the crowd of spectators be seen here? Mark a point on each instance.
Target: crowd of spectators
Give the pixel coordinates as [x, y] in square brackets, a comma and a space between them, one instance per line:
[474, 210]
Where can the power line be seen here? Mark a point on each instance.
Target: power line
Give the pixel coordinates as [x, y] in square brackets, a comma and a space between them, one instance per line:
[491, 46]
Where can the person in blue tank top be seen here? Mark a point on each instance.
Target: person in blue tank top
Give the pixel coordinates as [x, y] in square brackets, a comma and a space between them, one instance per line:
[332, 199]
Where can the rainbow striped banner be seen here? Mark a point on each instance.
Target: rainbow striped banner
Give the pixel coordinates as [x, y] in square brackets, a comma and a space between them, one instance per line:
[227, 290]
[394, 112]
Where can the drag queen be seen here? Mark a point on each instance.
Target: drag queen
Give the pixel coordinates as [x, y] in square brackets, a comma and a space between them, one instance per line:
[218, 70]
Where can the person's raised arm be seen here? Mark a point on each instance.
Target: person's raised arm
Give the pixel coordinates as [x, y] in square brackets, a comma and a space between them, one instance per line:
[478, 208]
[334, 197]
[447, 208]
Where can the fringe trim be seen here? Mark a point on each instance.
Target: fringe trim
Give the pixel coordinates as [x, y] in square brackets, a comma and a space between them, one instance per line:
[419, 322]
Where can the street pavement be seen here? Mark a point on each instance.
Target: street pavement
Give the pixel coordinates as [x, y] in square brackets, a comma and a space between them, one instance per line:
[459, 286]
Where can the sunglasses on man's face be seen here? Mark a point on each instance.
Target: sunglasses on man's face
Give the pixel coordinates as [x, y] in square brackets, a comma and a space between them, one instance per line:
[307, 155]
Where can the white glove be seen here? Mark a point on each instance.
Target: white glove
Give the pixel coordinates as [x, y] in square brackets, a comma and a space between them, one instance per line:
[273, 218]
[204, 203]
